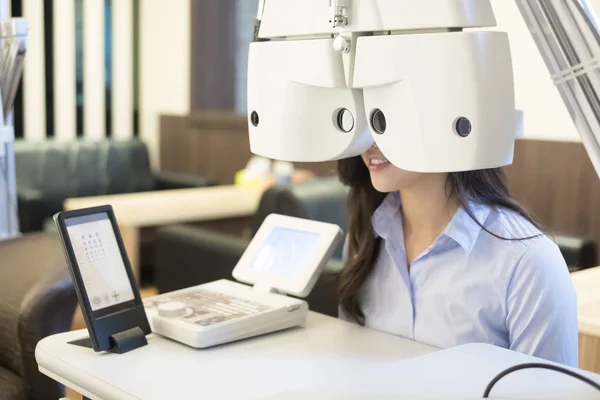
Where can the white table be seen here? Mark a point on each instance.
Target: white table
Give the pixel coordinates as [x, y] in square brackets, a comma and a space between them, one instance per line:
[328, 359]
[586, 284]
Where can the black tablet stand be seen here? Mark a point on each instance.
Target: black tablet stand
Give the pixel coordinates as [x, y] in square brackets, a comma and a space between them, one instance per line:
[121, 342]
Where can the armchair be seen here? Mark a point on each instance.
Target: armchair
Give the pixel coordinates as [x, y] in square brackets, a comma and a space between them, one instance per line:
[37, 299]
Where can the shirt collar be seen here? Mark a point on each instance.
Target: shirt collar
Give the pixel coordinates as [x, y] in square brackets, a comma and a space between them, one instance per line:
[462, 228]
[387, 215]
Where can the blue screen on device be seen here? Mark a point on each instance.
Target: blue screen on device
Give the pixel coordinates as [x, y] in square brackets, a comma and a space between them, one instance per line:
[285, 252]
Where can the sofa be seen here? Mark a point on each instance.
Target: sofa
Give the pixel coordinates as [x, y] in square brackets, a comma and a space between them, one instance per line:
[49, 172]
[37, 299]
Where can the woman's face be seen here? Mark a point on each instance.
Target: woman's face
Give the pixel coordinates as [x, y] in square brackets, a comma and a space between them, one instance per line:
[385, 177]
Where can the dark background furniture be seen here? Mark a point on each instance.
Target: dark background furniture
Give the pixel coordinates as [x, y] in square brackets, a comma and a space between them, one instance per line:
[578, 253]
[37, 299]
[51, 171]
[187, 255]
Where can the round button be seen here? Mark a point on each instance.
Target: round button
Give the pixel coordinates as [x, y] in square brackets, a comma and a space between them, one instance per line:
[341, 44]
[254, 118]
[172, 310]
[463, 127]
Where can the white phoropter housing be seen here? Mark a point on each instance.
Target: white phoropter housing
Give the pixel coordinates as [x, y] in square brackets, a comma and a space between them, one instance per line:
[402, 73]
[327, 79]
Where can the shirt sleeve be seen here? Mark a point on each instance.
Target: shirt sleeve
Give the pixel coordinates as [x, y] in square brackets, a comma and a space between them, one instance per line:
[542, 307]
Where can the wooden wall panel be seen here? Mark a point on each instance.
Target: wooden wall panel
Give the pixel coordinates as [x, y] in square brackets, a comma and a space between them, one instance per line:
[223, 144]
[213, 144]
[175, 148]
[558, 184]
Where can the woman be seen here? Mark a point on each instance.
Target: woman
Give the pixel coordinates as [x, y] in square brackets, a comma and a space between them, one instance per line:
[449, 259]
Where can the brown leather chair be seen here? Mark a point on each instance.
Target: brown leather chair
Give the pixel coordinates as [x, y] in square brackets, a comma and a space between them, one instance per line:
[37, 299]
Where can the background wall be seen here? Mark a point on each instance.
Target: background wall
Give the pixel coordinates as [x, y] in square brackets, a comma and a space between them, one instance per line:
[165, 46]
[103, 68]
[213, 47]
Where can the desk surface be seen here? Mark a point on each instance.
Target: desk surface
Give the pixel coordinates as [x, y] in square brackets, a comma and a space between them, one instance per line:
[328, 359]
[587, 286]
[325, 349]
[175, 206]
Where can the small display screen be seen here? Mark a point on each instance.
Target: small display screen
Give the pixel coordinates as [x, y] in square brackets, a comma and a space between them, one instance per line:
[285, 252]
[100, 262]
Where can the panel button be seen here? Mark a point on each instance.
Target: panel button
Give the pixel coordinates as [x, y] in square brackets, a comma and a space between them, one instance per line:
[172, 310]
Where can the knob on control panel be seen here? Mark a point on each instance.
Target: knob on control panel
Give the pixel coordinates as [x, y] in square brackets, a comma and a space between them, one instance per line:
[172, 309]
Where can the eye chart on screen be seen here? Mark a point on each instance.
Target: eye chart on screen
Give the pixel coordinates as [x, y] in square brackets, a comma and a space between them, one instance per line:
[285, 251]
[100, 261]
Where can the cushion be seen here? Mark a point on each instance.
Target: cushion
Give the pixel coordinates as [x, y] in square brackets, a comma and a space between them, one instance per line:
[127, 168]
[25, 262]
[12, 387]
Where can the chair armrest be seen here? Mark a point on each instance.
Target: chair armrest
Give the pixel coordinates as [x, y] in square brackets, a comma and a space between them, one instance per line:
[47, 311]
[187, 256]
[324, 296]
[38, 300]
[578, 253]
[169, 180]
[31, 210]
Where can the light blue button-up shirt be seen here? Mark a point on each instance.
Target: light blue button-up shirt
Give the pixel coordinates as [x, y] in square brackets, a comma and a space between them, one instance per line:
[472, 287]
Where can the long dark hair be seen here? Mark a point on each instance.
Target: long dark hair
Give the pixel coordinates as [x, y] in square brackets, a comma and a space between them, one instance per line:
[488, 187]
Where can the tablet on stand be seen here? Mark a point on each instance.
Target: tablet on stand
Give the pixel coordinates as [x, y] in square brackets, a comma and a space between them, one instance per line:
[106, 287]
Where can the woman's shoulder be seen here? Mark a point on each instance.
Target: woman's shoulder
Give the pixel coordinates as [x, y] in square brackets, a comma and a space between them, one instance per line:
[528, 245]
[512, 225]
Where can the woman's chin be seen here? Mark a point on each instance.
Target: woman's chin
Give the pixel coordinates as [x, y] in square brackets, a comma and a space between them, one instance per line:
[383, 185]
